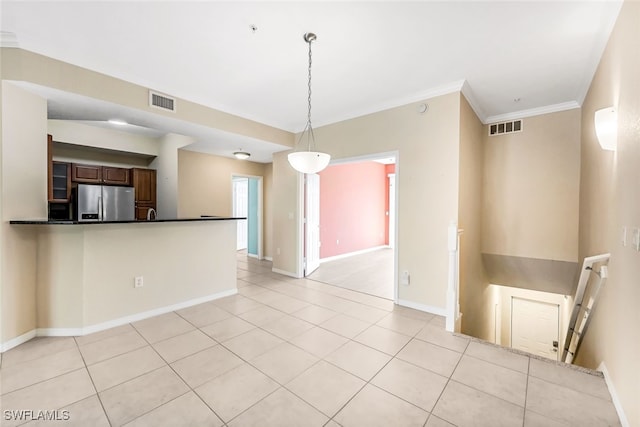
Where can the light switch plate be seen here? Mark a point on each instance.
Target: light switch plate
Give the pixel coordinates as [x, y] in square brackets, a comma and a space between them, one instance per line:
[624, 236]
[636, 239]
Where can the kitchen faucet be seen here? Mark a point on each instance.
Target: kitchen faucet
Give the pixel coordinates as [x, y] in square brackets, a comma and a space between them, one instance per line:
[151, 211]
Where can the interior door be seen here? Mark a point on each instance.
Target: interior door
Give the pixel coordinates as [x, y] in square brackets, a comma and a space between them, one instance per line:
[241, 209]
[312, 224]
[534, 327]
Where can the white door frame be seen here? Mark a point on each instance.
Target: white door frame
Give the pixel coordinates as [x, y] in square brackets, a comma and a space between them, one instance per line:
[300, 212]
[260, 207]
[237, 200]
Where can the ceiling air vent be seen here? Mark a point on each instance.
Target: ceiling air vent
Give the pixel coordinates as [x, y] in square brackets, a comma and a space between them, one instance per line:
[159, 100]
[505, 127]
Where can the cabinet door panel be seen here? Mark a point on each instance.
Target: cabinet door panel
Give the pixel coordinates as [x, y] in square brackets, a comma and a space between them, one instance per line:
[111, 175]
[86, 173]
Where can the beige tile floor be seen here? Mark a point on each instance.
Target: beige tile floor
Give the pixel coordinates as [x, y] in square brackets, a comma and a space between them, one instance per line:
[286, 352]
[371, 273]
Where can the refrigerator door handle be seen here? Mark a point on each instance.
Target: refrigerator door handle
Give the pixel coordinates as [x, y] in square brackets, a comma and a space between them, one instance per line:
[100, 209]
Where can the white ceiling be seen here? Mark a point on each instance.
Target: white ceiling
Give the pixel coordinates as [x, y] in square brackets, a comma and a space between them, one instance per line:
[368, 56]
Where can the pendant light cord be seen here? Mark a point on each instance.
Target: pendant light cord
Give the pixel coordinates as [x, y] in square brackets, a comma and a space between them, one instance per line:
[311, 140]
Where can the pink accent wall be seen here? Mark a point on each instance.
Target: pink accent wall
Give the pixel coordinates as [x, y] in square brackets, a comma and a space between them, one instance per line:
[352, 208]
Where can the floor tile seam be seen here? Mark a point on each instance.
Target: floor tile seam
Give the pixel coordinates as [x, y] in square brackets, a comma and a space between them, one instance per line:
[117, 355]
[497, 364]
[572, 389]
[341, 407]
[280, 386]
[153, 409]
[442, 346]
[377, 349]
[547, 415]
[5, 394]
[396, 331]
[199, 328]
[490, 394]
[110, 336]
[93, 384]
[443, 390]
[343, 298]
[526, 392]
[37, 358]
[11, 367]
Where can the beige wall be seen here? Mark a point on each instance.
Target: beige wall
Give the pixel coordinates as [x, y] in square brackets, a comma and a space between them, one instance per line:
[427, 177]
[609, 201]
[286, 200]
[24, 172]
[83, 135]
[531, 189]
[204, 185]
[86, 272]
[22, 65]
[474, 295]
[166, 165]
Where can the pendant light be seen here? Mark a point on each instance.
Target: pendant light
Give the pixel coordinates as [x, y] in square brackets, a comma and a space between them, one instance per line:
[309, 161]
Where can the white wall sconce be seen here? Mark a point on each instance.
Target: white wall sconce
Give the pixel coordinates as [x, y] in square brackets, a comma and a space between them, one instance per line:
[606, 121]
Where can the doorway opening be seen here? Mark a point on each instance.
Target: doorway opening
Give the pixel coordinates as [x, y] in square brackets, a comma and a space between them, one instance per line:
[530, 320]
[350, 225]
[247, 203]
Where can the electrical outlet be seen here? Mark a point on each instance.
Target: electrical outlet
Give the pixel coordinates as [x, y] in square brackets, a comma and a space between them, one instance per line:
[405, 278]
[337, 242]
[138, 282]
[624, 236]
[636, 239]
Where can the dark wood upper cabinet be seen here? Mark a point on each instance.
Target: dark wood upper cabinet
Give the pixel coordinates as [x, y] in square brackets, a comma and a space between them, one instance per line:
[89, 174]
[144, 182]
[116, 176]
[96, 174]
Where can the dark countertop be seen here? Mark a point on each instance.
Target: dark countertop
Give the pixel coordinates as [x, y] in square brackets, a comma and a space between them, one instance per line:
[69, 222]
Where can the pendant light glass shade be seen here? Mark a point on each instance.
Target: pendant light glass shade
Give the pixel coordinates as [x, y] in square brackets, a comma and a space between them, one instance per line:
[309, 161]
[241, 155]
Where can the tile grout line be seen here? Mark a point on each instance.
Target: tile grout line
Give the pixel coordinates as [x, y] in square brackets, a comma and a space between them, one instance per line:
[86, 368]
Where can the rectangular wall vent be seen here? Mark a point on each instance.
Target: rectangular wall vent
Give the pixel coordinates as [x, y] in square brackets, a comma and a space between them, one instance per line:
[505, 127]
[159, 100]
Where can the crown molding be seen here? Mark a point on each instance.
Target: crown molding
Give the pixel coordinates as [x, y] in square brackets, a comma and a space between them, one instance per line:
[8, 39]
[473, 101]
[554, 108]
[397, 102]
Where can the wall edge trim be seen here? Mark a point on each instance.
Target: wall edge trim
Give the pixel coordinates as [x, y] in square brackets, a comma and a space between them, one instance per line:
[614, 395]
[14, 342]
[354, 253]
[286, 273]
[423, 307]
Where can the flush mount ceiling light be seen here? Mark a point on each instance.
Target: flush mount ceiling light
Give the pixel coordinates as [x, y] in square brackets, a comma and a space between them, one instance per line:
[309, 161]
[606, 121]
[118, 122]
[241, 155]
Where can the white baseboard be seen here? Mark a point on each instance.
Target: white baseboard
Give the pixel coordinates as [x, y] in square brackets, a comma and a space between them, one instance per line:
[285, 273]
[422, 307]
[17, 341]
[268, 258]
[614, 395]
[74, 332]
[156, 312]
[252, 255]
[350, 254]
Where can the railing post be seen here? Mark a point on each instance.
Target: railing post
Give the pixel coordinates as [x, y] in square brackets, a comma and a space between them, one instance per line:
[453, 304]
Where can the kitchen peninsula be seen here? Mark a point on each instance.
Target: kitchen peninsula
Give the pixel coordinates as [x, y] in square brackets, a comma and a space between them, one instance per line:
[95, 275]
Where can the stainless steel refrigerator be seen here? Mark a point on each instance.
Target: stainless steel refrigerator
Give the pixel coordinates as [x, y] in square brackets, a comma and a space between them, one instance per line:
[105, 203]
